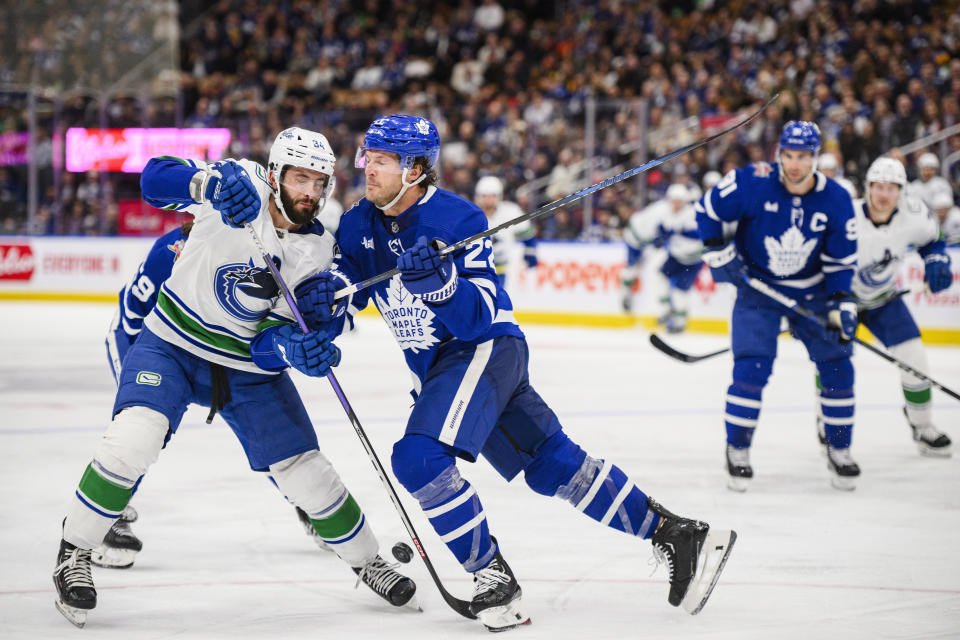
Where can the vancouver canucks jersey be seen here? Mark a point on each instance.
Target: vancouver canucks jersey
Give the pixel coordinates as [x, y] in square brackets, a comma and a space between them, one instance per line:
[881, 248]
[370, 243]
[785, 239]
[677, 229]
[220, 293]
[504, 241]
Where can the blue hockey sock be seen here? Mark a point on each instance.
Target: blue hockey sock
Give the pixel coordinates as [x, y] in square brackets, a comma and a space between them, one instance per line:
[603, 491]
[453, 508]
[837, 402]
[741, 416]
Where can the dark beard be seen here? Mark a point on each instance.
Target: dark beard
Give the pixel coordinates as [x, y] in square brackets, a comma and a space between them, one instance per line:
[291, 210]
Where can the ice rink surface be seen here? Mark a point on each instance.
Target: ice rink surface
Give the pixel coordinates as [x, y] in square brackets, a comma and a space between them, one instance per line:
[224, 556]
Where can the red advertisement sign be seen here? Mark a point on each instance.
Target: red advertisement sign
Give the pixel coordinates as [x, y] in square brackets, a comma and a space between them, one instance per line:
[137, 218]
[129, 149]
[16, 262]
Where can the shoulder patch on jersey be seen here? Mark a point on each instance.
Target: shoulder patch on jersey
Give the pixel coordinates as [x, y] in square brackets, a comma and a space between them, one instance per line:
[762, 169]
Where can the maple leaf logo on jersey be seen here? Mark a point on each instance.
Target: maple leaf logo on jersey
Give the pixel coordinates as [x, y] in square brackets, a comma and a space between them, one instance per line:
[408, 317]
[790, 254]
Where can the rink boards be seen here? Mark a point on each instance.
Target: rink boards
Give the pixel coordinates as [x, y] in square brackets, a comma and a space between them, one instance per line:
[574, 283]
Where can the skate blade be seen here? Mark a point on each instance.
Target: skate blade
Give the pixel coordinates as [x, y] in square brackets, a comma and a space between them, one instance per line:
[843, 483]
[112, 557]
[76, 617]
[713, 557]
[735, 483]
[510, 615]
[413, 604]
[934, 452]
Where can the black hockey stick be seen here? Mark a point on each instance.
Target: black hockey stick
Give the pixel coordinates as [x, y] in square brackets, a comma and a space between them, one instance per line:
[460, 606]
[658, 343]
[790, 303]
[662, 346]
[556, 204]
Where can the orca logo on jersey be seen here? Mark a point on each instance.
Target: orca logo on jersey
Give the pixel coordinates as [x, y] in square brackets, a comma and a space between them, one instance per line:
[238, 288]
[880, 271]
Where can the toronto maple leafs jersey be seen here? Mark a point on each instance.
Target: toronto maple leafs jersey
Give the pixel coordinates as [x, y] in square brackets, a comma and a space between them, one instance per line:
[505, 240]
[370, 243]
[678, 229]
[881, 248]
[784, 239]
[220, 293]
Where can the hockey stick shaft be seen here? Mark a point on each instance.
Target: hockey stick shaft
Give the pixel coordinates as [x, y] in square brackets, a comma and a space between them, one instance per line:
[460, 606]
[662, 346]
[790, 303]
[556, 204]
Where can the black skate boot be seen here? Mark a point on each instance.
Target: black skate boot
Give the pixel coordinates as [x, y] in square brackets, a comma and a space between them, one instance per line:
[75, 591]
[310, 531]
[694, 554]
[739, 471]
[930, 441]
[843, 470]
[497, 598]
[383, 579]
[120, 546]
[822, 435]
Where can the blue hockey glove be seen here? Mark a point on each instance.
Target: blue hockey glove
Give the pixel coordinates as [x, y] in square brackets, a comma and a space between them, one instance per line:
[724, 262]
[315, 298]
[233, 194]
[938, 272]
[841, 317]
[530, 257]
[312, 354]
[426, 273]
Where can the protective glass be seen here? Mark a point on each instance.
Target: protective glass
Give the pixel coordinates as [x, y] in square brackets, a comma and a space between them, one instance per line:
[305, 182]
[383, 161]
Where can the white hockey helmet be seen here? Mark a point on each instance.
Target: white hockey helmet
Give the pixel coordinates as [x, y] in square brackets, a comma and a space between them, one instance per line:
[928, 160]
[296, 147]
[677, 191]
[710, 179]
[941, 200]
[488, 186]
[886, 169]
[827, 161]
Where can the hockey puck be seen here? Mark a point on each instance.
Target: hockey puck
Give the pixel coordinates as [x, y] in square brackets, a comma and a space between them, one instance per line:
[402, 552]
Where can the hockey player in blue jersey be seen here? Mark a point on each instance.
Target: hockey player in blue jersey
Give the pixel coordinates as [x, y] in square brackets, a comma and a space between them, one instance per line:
[469, 358]
[220, 335]
[796, 232]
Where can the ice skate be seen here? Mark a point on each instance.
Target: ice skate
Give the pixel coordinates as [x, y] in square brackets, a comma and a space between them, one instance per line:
[310, 531]
[677, 322]
[739, 469]
[843, 470]
[383, 579]
[120, 546]
[76, 594]
[497, 598]
[694, 554]
[930, 441]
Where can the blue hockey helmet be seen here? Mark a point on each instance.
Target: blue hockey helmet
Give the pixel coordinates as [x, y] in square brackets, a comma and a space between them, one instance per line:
[410, 137]
[800, 135]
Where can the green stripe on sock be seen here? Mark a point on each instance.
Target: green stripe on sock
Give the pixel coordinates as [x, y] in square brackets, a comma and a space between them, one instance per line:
[341, 522]
[105, 494]
[198, 331]
[819, 386]
[917, 397]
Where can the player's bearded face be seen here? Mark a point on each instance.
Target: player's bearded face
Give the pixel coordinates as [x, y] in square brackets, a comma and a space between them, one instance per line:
[797, 165]
[300, 193]
[383, 176]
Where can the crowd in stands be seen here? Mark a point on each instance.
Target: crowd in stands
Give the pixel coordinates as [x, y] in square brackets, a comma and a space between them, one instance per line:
[508, 85]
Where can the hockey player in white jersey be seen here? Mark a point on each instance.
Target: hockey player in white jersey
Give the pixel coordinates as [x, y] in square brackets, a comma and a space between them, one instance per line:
[220, 335]
[929, 184]
[489, 197]
[892, 222]
[828, 166]
[670, 223]
[948, 216]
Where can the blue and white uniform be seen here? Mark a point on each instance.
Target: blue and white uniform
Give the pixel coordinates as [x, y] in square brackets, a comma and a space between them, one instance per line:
[139, 296]
[804, 246]
[468, 358]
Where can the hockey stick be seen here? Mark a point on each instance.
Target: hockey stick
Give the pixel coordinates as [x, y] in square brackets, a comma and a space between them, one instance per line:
[556, 204]
[659, 344]
[790, 303]
[460, 606]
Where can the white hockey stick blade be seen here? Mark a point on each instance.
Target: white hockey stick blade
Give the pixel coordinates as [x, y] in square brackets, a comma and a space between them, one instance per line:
[713, 556]
[76, 617]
